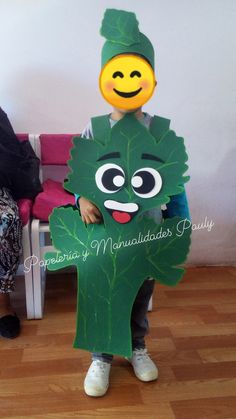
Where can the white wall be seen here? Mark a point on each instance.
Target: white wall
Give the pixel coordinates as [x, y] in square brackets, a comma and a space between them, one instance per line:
[50, 62]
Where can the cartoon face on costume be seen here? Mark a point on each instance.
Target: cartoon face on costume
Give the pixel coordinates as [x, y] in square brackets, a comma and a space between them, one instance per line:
[145, 183]
[127, 81]
[128, 173]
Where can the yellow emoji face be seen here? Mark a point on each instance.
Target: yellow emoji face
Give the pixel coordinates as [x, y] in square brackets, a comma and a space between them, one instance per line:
[127, 81]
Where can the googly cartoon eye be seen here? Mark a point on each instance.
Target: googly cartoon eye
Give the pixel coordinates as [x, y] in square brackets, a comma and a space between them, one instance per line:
[110, 178]
[146, 182]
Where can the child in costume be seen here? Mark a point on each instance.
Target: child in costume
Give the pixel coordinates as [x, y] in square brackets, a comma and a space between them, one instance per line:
[127, 81]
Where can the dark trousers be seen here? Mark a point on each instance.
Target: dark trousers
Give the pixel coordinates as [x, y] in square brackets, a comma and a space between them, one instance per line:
[139, 321]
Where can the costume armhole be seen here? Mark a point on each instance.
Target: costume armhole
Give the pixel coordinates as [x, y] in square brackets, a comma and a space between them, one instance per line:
[159, 126]
[101, 127]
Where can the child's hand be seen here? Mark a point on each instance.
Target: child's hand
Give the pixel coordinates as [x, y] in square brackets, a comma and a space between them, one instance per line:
[89, 212]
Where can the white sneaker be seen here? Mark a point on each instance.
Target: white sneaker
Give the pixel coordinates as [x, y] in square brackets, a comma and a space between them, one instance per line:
[144, 367]
[97, 379]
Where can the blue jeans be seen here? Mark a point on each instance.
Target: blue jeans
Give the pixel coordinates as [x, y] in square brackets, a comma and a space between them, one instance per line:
[139, 321]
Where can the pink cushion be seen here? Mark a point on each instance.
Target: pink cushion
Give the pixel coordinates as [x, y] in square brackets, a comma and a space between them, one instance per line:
[22, 137]
[55, 148]
[24, 206]
[53, 195]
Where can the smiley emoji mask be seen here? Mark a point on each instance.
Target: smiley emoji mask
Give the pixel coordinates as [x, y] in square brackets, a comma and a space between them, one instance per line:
[127, 79]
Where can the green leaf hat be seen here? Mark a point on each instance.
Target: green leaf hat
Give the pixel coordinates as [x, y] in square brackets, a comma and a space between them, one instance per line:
[121, 30]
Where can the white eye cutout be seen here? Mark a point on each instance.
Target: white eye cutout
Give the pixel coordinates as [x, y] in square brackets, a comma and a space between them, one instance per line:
[118, 181]
[110, 178]
[146, 182]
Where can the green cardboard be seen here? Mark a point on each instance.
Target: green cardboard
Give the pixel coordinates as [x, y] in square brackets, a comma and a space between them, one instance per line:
[120, 26]
[129, 170]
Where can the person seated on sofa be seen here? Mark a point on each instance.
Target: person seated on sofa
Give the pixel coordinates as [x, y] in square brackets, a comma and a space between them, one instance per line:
[19, 178]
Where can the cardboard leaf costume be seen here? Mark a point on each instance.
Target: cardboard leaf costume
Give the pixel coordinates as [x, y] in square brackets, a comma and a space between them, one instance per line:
[125, 171]
[121, 30]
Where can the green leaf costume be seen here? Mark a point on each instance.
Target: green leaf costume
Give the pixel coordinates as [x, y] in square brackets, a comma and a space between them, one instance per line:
[125, 171]
[122, 29]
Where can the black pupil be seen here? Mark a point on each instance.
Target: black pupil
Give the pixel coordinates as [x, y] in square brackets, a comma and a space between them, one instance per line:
[108, 178]
[148, 182]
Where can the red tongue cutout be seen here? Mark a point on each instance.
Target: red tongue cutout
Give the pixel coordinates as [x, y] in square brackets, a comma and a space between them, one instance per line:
[121, 217]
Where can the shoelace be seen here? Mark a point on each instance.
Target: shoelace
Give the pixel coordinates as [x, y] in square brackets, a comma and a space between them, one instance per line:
[141, 354]
[99, 365]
